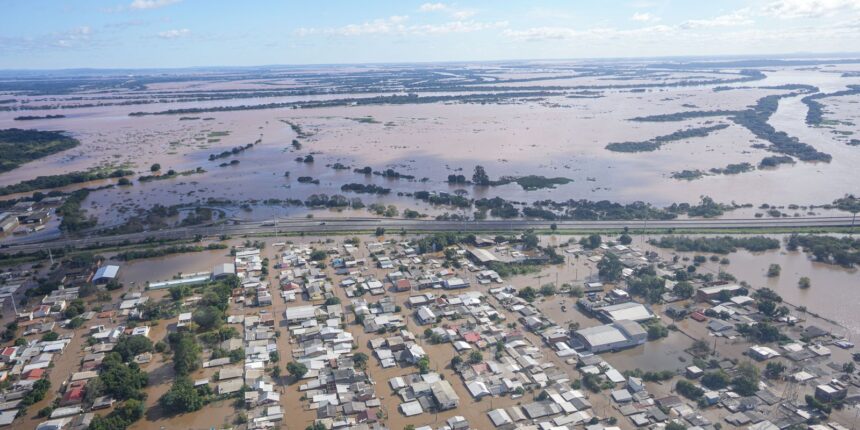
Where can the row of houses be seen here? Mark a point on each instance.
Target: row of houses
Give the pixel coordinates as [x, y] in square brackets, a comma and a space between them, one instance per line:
[336, 387]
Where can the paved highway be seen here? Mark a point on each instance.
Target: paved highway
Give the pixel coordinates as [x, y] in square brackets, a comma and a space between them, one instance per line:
[318, 225]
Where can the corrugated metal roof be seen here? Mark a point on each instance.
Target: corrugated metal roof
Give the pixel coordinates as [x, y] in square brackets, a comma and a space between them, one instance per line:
[106, 272]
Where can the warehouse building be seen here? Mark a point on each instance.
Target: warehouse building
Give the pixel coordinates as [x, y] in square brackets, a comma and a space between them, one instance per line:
[625, 311]
[611, 337]
[105, 274]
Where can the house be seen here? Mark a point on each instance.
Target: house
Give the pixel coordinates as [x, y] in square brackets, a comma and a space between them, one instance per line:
[455, 283]
[425, 315]
[835, 390]
[74, 394]
[444, 394]
[141, 331]
[9, 354]
[499, 417]
[8, 222]
[184, 319]
[482, 256]
[705, 294]
[402, 285]
[105, 274]
[39, 218]
[762, 353]
[297, 314]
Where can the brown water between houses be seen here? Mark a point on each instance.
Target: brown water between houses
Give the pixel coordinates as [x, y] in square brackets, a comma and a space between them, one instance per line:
[833, 287]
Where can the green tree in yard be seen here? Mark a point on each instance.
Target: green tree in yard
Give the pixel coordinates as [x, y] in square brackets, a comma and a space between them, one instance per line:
[716, 380]
[423, 365]
[208, 317]
[297, 369]
[657, 331]
[774, 369]
[528, 294]
[674, 425]
[746, 381]
[804, 283]
[593, 241]
[186, 352]
[360, 360]
[609, 268]
[547, 290]
[683, 290]
[130, 346]
[181, 398]
[120, 380]
[456, 361]
[625, 239]
[155, 167]
[592, 382]
[688, 389]
[476, 357]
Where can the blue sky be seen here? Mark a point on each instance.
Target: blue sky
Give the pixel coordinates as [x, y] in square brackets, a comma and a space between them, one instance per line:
[37, 34]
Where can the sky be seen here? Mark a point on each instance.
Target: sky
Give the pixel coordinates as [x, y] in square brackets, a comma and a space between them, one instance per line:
[55, 34]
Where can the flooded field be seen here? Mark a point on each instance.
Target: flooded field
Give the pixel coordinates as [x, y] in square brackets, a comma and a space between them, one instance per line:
[549, 121]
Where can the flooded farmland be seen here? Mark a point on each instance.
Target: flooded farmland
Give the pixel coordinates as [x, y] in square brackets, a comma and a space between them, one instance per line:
[557, 133]
[625, 142]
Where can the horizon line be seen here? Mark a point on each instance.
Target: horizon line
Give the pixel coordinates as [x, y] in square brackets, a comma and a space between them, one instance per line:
[769, 56]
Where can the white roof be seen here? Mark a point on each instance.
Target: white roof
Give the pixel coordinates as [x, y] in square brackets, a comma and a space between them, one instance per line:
[108, 271]
[628, 311]
[224, 269]
[411, 408]
[602, 335]
[499, 417]
[299, 312]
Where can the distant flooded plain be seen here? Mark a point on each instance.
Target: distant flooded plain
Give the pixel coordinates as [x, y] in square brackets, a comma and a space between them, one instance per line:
[559, 134]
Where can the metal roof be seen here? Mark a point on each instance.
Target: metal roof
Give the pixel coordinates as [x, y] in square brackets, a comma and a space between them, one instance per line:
[602, 335]
[627, 311]
[106, 272]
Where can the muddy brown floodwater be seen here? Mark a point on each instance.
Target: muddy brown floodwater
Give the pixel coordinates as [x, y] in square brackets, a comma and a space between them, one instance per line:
[550, 136]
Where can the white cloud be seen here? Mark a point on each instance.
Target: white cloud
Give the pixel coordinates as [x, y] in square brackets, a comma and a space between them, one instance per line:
[74, 38]
[397, 25]
[567, 33]
[734, 19]
[456, 27]
[790, 9]
[458, 14]
[432, 7]
[174, 34]
[151, 4]
[645, 17]
[463, 14]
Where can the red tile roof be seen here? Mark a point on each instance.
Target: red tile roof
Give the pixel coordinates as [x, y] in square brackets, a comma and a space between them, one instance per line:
[34, 374]
[471, 337]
